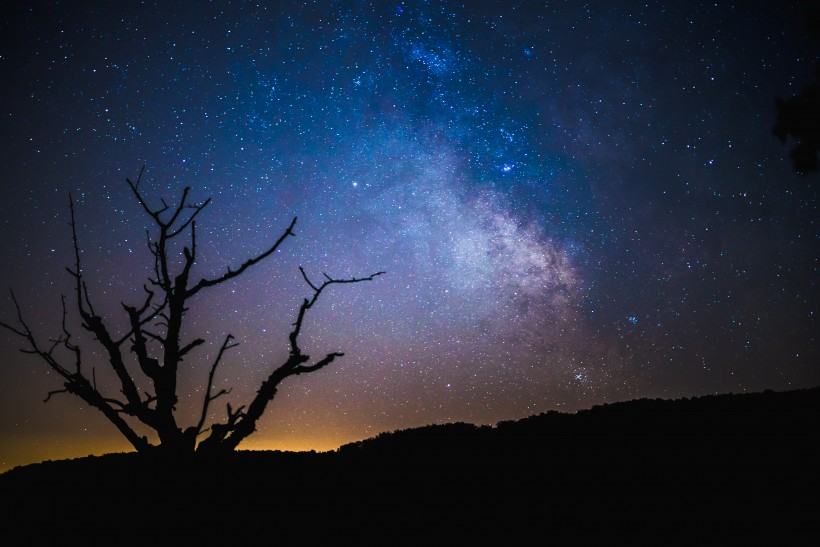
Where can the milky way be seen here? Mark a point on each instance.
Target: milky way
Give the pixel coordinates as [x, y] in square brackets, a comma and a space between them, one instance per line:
[574, 203]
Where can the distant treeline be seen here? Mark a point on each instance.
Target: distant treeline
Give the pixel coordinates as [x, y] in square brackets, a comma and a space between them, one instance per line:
[759, 430]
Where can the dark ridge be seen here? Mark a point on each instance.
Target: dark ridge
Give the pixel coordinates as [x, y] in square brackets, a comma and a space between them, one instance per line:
[719, 459]
[711, 433]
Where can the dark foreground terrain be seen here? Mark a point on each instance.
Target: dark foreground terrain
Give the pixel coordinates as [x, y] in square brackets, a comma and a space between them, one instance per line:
[713, 469]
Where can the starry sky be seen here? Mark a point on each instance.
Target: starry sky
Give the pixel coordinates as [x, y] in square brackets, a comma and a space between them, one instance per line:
[575, 203]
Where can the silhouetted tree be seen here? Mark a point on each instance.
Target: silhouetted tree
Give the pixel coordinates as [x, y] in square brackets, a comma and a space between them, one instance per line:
[154, 340]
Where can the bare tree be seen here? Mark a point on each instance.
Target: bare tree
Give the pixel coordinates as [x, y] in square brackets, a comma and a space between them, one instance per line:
[153, 339]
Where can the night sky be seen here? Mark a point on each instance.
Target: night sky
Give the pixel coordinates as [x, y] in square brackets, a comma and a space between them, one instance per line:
[575, 203]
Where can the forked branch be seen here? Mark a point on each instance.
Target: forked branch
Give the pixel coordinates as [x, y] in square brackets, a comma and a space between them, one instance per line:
[226, 437]
[226, 345]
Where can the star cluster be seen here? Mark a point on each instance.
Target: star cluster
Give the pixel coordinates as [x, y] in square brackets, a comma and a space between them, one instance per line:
[575, 203]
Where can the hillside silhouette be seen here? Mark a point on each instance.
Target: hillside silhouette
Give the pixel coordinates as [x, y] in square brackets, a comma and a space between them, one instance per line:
[723, 458]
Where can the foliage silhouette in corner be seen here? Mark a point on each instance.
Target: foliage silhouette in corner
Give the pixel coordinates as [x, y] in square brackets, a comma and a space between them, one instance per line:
[799, 117]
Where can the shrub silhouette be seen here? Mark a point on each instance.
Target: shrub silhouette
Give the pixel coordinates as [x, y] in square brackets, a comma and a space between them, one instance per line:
[798, 118]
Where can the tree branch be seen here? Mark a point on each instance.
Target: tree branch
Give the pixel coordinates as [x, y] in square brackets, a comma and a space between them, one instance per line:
[94, 324]
[308, 303]
[33, 348]
[67, 340]
[180, 207]
[226, 345]
[230, 274]
[75, 382]
[227, 438]
[55, 392]
[188, 347]
[323, 363]
[197, 209]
